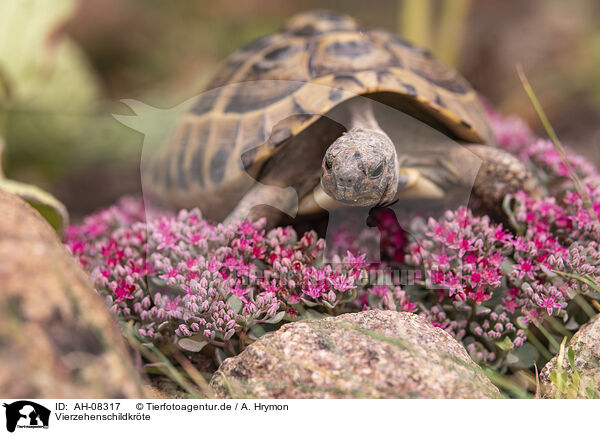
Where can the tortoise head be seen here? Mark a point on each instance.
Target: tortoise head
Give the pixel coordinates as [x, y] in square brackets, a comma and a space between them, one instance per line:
[361, 168]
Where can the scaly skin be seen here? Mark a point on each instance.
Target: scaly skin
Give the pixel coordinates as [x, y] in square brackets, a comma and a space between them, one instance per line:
[361, 168]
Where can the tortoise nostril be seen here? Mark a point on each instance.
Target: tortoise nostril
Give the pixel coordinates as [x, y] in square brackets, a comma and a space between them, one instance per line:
[346, 180]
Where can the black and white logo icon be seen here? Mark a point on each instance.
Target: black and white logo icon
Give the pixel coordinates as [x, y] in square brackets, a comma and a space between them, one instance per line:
[24, 414]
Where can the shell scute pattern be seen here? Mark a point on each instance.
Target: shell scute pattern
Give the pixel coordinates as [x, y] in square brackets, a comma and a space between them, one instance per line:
[318, 22]
[238, 127]
[257, 95]
[196, 158]
[348, 52]
[205, 103]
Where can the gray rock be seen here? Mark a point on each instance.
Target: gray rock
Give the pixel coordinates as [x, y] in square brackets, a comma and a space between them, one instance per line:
[372, 354]
[586, 347]
[57, 338]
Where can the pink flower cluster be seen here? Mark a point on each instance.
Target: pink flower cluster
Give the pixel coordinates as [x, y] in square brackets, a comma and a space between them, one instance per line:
[180, 276]
[573, 231]
[485, 284]
[467, 264]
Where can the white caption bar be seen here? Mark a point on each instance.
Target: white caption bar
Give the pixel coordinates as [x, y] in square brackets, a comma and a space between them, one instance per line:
[365, 417]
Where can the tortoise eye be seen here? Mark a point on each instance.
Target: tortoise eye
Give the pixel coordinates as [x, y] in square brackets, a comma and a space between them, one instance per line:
[328, 163]
[377, 171]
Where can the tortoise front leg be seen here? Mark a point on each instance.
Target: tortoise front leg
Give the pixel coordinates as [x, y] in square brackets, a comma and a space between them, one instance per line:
[488, 172]
[252, 205]
[501, 174]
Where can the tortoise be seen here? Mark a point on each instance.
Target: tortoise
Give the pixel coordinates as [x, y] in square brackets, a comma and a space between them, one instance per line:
[273, 115]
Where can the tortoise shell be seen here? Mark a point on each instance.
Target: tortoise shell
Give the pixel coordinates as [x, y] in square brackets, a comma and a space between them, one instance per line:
[316, 61]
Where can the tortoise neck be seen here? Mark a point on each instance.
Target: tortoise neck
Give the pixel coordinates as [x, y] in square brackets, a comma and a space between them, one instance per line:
[362, 115]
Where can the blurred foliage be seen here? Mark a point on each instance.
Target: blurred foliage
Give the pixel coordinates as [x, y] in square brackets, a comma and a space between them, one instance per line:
[440, 26]
[44, 74]
[557, 43]
[35, 72]
[26, 51]
[52, 109]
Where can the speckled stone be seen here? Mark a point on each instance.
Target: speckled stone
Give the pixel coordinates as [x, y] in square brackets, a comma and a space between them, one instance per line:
[371, 354]
[57, 338]
[586, 346]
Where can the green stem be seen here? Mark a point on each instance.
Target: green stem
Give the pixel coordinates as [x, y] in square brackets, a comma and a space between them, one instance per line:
[538, 345]
[554, 138]
[1, 149]
[5, 88]
[588, 280]
[450, 30]
[3, 112]
[585, 306]
[549, 337]
[506, 384]
[229, 348]
[152, 353]
[414, 21]
[473, 314]
[5, 97]
[558, 326]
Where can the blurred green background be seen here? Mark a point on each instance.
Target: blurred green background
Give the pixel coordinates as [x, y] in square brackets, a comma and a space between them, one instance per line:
[65, 66]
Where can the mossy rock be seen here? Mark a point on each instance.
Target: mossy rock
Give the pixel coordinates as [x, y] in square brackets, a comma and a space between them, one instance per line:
[585, 345]
[57, 338]
[372, 354]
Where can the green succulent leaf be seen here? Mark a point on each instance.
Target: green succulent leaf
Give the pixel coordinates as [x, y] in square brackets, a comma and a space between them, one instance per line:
[505, 344]
[554, 379]
[47, 205]
[258, 331]
[276, 318]
[571, 357]
[525, 355]
[235, 303]
[192, 344]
